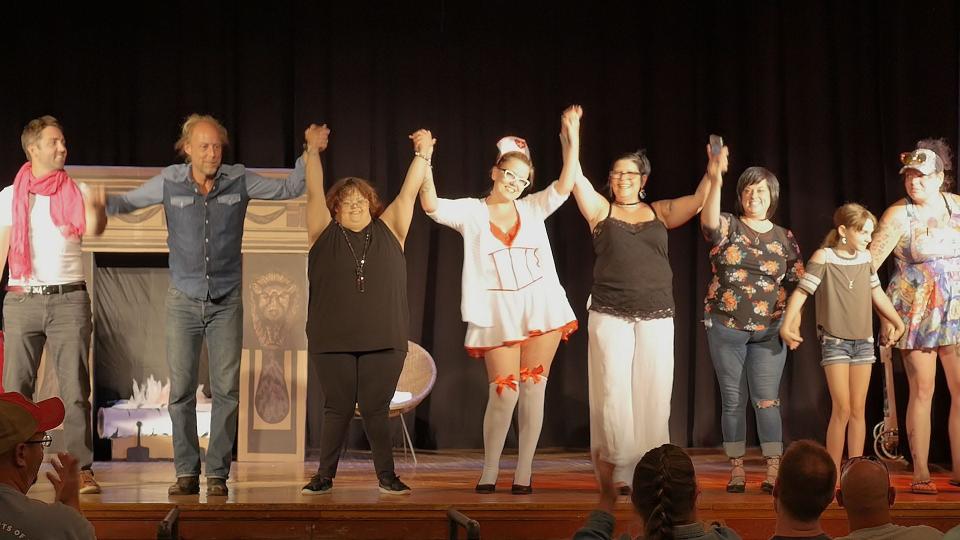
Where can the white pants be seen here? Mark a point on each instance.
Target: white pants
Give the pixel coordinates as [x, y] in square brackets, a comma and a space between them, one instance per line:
[630, 366]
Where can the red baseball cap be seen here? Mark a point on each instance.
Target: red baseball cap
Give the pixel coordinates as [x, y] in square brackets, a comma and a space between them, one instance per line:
[20, 418]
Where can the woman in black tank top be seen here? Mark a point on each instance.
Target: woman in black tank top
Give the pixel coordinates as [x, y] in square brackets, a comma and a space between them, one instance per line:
[630, 359]
[357, 316]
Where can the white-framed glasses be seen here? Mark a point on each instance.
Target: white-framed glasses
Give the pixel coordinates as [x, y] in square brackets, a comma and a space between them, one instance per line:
[512, 178]
[626, 175]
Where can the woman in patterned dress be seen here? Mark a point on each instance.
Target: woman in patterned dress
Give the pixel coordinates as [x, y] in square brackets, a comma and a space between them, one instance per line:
[755, 265]
[923, 232]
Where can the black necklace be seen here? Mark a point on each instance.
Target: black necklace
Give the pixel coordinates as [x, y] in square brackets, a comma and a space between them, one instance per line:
[359, 262]
[618, 203]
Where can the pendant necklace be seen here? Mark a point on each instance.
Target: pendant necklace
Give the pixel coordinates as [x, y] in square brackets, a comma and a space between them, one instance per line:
[362, 260]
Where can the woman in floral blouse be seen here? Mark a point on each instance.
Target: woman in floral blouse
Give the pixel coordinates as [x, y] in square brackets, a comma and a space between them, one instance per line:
[755, 264]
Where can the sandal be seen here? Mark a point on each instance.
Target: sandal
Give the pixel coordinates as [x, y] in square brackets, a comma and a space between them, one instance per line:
[954, 483]
[924, 487]
[738, 476]
[773, 467]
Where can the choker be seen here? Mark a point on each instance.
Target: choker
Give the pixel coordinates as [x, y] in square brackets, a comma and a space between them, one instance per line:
[618, 203]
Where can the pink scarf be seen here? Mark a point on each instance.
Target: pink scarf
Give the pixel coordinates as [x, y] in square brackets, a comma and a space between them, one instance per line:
[66, 211]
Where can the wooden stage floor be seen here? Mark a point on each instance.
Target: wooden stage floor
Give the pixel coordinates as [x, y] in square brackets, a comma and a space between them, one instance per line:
[265, 500]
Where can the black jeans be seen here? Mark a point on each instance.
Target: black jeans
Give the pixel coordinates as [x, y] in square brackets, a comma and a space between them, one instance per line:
[364, 380]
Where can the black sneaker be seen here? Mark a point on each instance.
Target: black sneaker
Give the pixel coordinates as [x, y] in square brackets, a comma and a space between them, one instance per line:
[319, 485]
[186, 485]
[391, 485]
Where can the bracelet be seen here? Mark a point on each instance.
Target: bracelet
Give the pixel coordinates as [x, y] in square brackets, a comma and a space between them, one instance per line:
[428, 159]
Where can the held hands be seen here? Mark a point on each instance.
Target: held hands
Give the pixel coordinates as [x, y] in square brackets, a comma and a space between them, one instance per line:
[890, 332]
[316, 137]
[570, 125]
[423, 143]
[66, 481]
[791, 335]
[717, 164]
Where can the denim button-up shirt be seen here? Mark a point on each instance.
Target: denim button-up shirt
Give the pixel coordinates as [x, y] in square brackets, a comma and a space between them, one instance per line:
[204, 232]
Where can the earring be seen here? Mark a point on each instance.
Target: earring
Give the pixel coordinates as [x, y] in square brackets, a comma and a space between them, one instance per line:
[643, 193]
[843, 239]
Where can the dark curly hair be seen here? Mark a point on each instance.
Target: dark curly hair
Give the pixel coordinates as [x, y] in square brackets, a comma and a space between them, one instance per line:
[351, 183]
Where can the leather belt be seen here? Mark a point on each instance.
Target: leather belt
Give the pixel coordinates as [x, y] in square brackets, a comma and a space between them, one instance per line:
[48, 289]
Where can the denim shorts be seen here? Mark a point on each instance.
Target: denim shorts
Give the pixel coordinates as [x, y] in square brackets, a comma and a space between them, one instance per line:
[834, 350]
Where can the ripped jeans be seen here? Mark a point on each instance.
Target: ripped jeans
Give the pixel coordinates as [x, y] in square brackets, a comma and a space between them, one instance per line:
[749, 366]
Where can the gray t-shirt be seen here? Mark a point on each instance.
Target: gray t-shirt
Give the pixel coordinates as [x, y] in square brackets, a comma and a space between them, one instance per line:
[844, 288]
[23, 518]
[894, 532]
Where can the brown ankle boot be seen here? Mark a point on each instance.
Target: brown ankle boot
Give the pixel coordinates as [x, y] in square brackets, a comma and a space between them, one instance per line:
[738, 476]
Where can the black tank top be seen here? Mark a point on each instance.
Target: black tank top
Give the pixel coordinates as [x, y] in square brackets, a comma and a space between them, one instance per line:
[340, 318]
[631, 275]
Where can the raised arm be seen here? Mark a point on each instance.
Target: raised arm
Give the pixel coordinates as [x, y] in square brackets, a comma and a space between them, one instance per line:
[675, 212]
[710, 214]
[94, 208]
[889, 231]
[428, 191]
[318, 215]
[570, 145]
[398, 215]
[593, 206]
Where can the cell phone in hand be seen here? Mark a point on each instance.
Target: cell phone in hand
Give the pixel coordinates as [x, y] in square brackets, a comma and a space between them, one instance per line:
[716, 144]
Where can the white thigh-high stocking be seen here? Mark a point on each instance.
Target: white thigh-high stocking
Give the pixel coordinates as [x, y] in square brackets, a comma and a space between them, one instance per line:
[496, 422]
[533, 389]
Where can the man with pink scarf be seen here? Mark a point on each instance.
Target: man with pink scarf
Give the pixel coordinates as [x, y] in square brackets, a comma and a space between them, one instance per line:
[43, 218]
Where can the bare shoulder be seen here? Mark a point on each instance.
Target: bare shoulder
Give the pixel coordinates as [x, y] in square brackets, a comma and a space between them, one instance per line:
[895, 214]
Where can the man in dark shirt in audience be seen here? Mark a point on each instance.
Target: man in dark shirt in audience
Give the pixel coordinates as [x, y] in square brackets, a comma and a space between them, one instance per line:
[804, 488]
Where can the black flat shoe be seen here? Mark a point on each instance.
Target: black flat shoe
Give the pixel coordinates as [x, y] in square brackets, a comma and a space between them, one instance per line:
[740, 488]
[485, 488]
[766, 487]
[517, 489]
[624, 490]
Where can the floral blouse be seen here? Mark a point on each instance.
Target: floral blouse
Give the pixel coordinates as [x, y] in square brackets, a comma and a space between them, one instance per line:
[753, 273]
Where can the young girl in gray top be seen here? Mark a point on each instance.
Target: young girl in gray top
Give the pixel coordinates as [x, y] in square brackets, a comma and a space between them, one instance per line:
[842, 271]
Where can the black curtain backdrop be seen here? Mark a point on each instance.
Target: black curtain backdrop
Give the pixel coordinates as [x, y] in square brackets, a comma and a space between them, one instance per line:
[825, 94]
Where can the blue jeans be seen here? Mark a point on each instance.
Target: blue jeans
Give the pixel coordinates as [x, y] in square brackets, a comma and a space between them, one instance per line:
[189, 321]
[62, 323]
[748, 364]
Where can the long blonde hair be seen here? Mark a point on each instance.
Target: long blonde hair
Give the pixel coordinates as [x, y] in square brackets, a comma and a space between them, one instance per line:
[852, 216]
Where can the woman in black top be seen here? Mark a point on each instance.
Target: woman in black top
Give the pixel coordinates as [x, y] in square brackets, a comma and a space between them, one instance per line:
[357, 318]
[630, 358]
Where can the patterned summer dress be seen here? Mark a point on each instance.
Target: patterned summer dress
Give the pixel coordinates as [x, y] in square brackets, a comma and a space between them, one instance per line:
[925, 287]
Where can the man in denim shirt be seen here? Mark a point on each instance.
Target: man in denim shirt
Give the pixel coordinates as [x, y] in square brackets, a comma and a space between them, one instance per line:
[205, 203]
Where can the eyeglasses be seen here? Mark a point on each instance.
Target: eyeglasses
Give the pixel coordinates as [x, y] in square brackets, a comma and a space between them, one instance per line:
[512, 178]
[355, 203]
[45, 442]
[628, 175]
